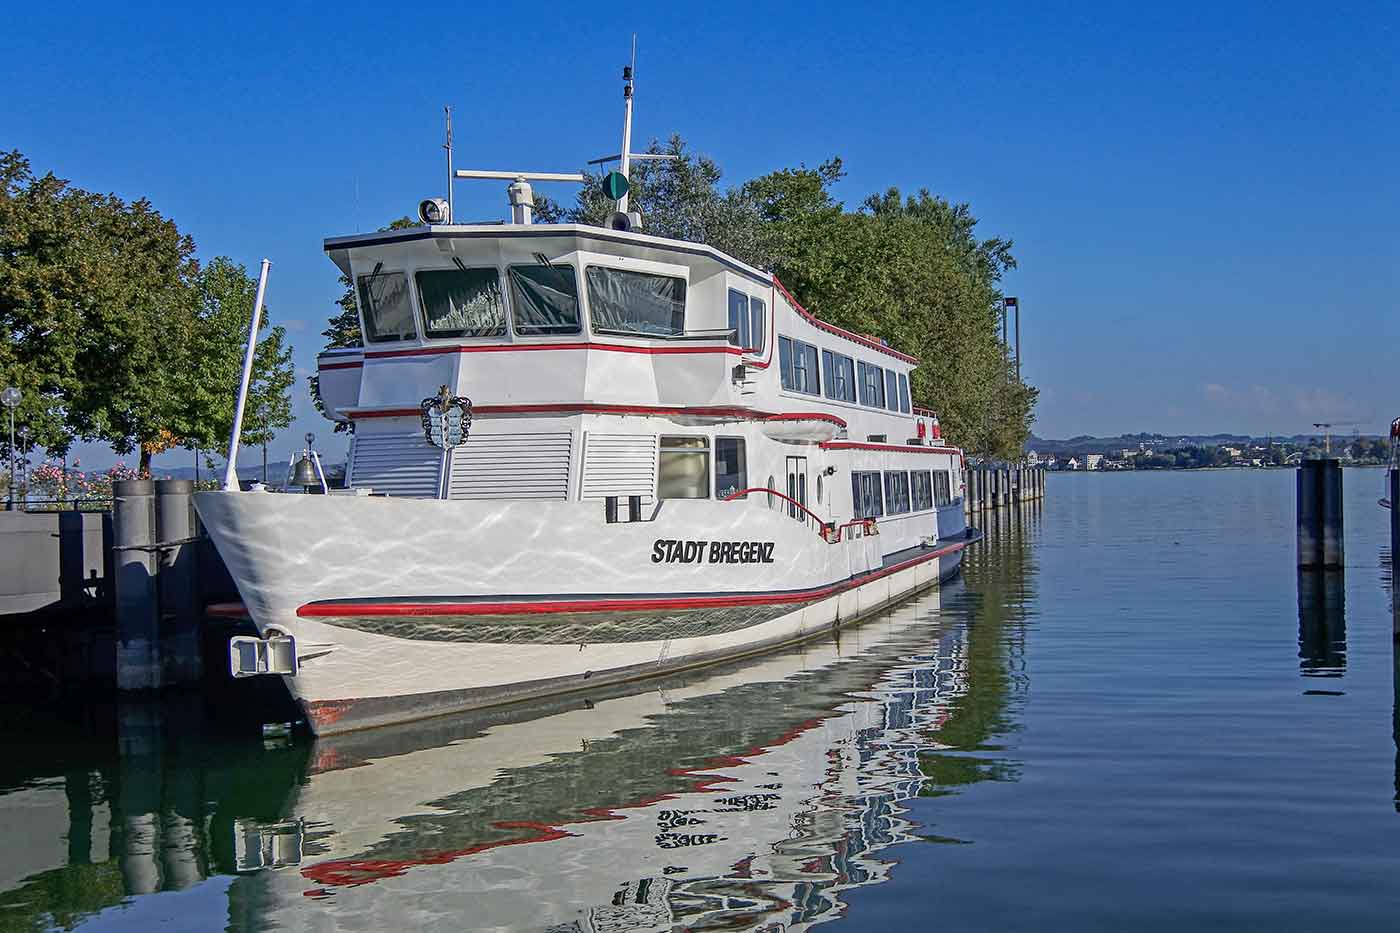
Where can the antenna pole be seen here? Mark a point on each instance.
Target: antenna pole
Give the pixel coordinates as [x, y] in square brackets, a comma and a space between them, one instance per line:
[627, 121]
[450, 174]
[231, 468]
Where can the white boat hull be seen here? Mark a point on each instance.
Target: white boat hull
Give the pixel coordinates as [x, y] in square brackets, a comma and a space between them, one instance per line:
[399, 613]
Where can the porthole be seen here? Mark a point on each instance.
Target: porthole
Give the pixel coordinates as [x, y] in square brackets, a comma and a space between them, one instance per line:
[772, 499]
[819, 489]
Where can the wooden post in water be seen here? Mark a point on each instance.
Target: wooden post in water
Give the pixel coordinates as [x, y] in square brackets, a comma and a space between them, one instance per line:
[1320, 526]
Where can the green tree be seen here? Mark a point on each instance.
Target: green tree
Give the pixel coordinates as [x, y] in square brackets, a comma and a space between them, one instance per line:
[94, 310]
[223, 295]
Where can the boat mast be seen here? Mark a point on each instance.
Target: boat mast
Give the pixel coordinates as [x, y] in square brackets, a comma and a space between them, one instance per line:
[625, 154]
[448, 147]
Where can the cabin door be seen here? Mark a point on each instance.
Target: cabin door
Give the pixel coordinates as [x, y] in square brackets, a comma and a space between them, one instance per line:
[797, 486]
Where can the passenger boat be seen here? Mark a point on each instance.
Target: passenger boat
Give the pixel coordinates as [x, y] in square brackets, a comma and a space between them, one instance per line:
[580, 455]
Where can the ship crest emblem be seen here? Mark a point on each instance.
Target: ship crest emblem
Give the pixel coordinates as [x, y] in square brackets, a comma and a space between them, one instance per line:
[447, 419]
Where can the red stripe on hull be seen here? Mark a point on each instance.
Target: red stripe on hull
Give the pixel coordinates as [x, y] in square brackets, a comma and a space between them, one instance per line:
[546, 607]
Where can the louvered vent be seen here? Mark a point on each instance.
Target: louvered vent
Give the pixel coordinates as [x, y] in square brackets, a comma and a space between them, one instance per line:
[512, 466]
[619, 465]
[397, 464]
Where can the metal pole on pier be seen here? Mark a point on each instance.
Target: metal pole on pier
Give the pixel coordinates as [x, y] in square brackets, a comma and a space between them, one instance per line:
[179, 598]
[138, 622]
[231, 470]
[1395, 548]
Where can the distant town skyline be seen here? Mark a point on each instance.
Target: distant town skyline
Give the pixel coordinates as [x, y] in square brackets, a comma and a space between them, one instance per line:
[1202, 202]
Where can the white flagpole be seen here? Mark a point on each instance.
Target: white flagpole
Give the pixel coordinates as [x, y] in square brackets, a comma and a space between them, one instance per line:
[231, 470]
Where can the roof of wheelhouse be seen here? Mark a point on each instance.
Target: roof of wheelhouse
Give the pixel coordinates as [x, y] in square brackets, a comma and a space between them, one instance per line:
[623, 243]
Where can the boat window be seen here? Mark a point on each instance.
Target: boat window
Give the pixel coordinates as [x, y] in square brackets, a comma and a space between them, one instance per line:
[731, 467]
[942, 487]
[772, 499]
[897, 492]
[819, 489]
[461, 303]
[739, 318]
[626, 302]
[544, 300]
[388, 312]
[921, 490]
[892, 390]
[758, 314]
[904, 393]
[684, 468]
[839, 372]
[866, 494]
[797, 362]
[872, 385]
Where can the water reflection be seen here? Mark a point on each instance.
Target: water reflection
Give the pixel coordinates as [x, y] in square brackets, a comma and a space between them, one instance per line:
[1322, 624]
[744, 797]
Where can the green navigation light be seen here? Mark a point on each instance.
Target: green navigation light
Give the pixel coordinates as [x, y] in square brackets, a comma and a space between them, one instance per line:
[615, 185]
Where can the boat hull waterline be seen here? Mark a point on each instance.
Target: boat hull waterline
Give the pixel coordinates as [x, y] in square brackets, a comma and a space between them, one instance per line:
[399, 613]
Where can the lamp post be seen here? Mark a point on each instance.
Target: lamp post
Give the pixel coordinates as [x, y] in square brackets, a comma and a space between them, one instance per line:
[24, 464]
[11, 398]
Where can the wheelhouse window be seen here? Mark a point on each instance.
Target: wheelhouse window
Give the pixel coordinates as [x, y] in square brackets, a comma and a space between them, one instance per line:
[461, 303]
[387, 309]
[866, 494]
[797, 361]
[758, 324]
[892, 390]
[872, 385]
[739, 321]
[839, 372]
[904, 393]
[544, 300]
[683, 470]
[731, 467]
[942, 487]
[921, 490]
[897, 492]
[635, 303]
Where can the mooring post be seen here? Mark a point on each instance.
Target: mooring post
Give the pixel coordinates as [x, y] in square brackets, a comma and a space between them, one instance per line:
[1395, 552]
[179, 609]
[138, 622]
[1320, 526]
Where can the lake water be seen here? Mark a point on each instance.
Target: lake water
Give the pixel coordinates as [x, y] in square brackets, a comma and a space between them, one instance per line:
[1131, 713]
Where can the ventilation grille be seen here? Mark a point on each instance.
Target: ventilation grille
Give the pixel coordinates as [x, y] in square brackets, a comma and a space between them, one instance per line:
[619, 465]
[397, 464]
[512, 466]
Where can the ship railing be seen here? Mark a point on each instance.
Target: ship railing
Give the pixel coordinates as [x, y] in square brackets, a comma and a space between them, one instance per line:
[829, 531]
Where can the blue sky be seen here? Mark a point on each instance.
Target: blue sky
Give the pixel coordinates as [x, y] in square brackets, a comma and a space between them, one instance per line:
[1204, 199]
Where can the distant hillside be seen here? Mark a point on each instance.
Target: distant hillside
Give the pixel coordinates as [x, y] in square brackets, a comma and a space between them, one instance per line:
[1087, 443]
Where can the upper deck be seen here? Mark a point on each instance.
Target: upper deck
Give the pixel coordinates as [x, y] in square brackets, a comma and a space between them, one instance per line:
[552, 319]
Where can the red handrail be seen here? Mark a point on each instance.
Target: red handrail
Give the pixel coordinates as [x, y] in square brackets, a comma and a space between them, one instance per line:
[829, 532]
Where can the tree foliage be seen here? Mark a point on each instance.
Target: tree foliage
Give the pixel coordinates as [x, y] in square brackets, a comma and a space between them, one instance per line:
[110, 327]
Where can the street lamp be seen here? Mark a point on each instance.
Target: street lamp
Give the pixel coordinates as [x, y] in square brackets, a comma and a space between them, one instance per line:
[24, 464]
[11, 398]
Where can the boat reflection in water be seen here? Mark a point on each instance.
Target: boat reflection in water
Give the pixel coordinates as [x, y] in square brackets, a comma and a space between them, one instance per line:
[745, 797]
[732, 798]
